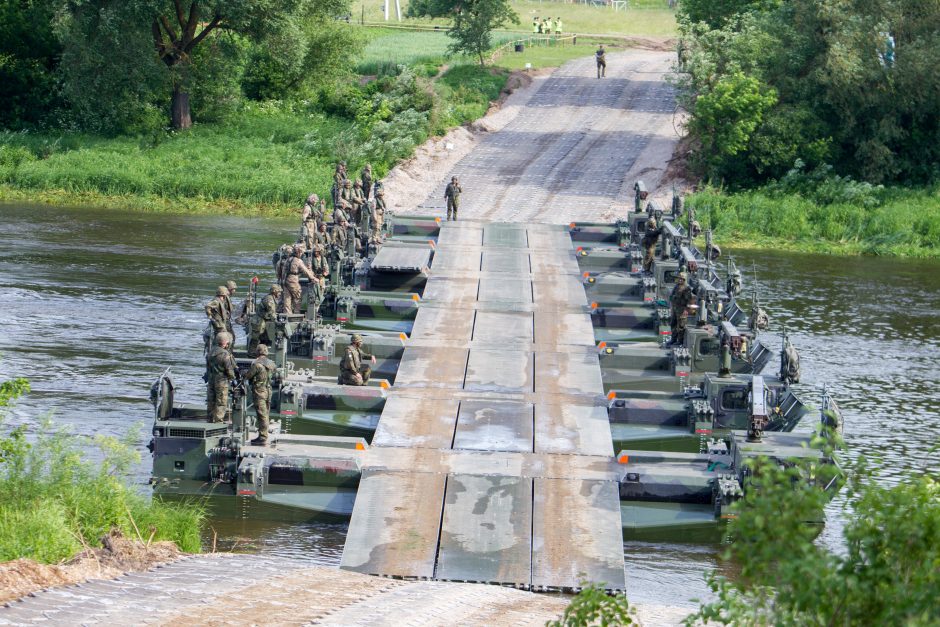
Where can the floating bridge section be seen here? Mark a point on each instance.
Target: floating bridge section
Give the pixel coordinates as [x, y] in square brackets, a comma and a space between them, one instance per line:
[493, 461]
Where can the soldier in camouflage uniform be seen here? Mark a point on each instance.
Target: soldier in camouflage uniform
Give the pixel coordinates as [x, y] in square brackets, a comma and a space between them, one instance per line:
[452, 196]
[366, 178]
[217, 312]
[339, 176]
[649, 244]
[351, 369]
[311, 207]
[259, 377]
[264, 320]
[341, 212]
[221, 374]
[378, 221]
[340, 236]
[295, 266]
[358, 200]
[346, 195]
[322, 238]
[680, 299]
[321, 269]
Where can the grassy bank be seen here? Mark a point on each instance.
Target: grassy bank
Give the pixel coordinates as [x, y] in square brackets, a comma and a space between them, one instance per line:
[54, 502]
[264, 158]
[901, 222]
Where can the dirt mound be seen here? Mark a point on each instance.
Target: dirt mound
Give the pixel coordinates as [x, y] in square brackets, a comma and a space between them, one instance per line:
[117, 556]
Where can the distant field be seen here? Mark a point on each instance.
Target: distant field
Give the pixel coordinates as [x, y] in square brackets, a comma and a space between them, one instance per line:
[389, 47]
[648, 18]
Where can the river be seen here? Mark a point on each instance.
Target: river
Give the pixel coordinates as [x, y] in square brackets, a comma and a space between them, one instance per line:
[95, 303]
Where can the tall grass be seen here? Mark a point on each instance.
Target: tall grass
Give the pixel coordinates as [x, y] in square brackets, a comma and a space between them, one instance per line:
[896, 221]
[54, 502]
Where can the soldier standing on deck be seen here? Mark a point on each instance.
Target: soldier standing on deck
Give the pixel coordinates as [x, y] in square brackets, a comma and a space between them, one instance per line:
[221, 374]
[259, 377]
[680, 299]
[452, 196]
[378, 214]
[216, 312]
[264, 320]
[292, 271]
[649, 244]
[366, 178]
[351, 369]
[229, 304]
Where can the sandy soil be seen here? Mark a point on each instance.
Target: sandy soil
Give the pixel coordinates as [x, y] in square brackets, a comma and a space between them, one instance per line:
[117, 556]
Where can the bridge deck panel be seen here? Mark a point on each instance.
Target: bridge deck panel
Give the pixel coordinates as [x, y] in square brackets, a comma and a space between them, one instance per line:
[486, 531]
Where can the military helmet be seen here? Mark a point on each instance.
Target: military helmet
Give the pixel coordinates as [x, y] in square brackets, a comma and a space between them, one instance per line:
[347, 183]
[262, 349]
[357, 183]
[683, 276]
[298, 248]
[313, 199]
[651, 223]
[276, 289]
[356, 338]
[223, 338]
[231, 285]
[380, 192]
[221, 291]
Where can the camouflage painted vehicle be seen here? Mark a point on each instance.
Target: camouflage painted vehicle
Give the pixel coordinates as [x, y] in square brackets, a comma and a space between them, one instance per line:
[684, 417]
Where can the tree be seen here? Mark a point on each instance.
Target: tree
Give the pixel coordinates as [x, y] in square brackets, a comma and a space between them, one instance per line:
[175, 31]
[474, 21]
[888, 574]
[29, 53]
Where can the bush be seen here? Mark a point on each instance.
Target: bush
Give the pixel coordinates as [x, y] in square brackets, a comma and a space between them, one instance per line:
[53, 501]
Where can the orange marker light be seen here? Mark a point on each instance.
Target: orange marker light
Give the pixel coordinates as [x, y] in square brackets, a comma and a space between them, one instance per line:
[602, 345]
[571, 226]
[431, 243]
[403, 337]
[360, 446]
[623, 459]
[579, 249]
[586, 274]
[383, 385]
[593, 305]
[611, 395]
[438, 220]
[415, 297]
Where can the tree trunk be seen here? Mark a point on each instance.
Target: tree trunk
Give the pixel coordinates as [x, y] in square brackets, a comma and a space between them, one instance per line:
[179, 109]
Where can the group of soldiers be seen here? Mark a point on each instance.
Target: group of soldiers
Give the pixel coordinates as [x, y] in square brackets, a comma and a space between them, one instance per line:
[545, 26]
[681, 299]
[221, 371]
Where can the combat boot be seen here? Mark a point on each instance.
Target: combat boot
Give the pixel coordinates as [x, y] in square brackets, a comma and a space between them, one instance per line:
[259, 442]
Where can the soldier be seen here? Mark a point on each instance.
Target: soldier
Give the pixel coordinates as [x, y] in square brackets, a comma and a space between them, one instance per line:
[649, 243]
[340, 212]
[259, 377]
[221, 374]
[231, 287]
[339, 175]
[217, 313]
[535, 25]
[284, 255]
[351, 369]
[358, 200]
[321, 269]
[601, 62]
[340, 236]
[322, 238]
[366, 177]
[378, 221]
[680, 299]
[452, 196]
[292, 270]
[264, 320]
[310, 208]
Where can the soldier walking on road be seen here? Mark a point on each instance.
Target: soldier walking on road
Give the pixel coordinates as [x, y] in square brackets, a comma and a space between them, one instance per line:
[259, 377]
[292, 271]
[680, 299]
[601, 62]
[221, 374]
[351, 369]
[649, 243]
[452, 196]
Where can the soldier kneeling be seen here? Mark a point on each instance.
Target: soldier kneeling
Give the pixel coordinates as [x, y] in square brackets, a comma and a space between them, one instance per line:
[351, 369]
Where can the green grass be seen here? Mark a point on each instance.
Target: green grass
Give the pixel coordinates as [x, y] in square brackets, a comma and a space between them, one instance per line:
[903, 222]
[539, 57]
[644, 18]
[54, 503]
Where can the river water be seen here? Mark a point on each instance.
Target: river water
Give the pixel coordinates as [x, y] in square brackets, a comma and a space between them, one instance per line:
[95, 303]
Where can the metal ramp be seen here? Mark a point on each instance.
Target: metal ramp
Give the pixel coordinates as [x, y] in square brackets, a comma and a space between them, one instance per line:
[493, 459]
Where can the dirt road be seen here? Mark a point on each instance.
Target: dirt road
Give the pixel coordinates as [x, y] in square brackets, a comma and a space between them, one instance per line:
[573, 148]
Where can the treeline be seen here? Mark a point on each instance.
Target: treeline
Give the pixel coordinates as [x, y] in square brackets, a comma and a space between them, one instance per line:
[779, 86]
[135, 66]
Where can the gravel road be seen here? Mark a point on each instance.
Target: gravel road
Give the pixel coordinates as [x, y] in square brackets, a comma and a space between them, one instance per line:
[574, 149]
